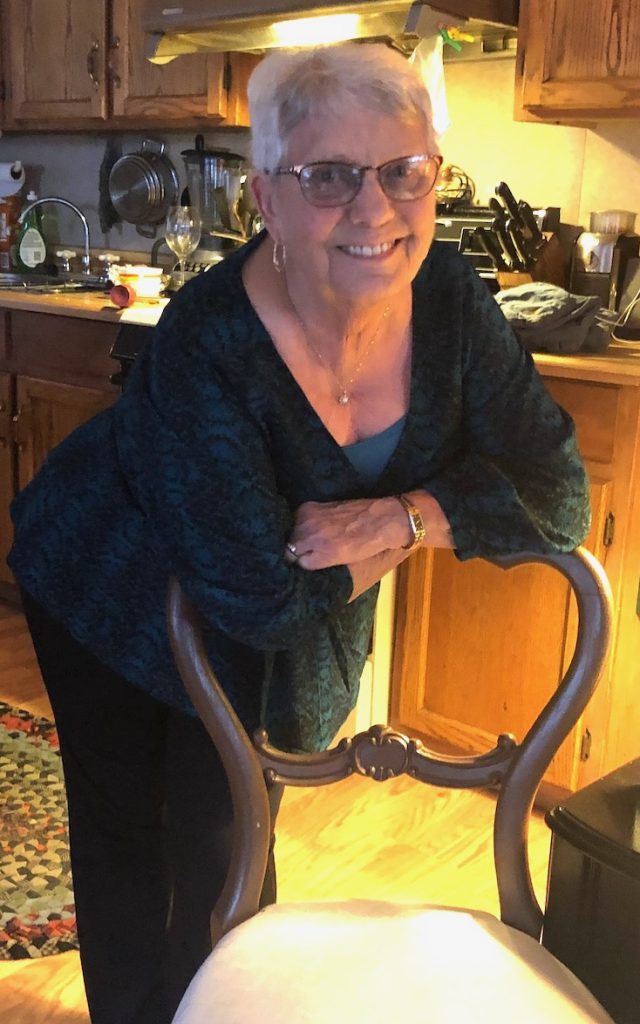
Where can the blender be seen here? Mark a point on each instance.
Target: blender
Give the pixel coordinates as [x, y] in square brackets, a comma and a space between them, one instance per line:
[214, 181]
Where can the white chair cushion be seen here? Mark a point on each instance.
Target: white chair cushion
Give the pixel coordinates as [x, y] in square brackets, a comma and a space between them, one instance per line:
[314, 963]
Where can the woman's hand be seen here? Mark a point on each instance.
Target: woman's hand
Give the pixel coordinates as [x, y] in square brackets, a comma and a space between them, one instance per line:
[342, 532]
[349, 532]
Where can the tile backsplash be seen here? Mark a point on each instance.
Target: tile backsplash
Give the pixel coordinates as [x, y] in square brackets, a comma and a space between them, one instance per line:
[577, 169]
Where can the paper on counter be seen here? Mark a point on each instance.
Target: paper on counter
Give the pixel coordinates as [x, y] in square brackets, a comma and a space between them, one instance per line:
[146, 314]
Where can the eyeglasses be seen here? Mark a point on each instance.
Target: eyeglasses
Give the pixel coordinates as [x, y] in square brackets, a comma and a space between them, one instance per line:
[331, 183]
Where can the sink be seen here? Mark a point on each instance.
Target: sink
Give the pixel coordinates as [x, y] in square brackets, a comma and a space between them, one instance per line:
[50, 284]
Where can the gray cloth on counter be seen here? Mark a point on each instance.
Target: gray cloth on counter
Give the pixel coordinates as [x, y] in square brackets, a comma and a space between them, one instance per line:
[546, 318]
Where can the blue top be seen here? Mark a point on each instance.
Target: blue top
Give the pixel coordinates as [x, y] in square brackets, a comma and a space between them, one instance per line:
[198, 468]
[371, 454]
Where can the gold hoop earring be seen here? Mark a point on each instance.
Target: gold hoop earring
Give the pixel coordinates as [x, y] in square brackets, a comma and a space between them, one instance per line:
[279, 256]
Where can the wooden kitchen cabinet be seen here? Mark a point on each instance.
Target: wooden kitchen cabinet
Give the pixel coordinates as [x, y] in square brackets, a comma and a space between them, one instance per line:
[578, 60]
[80, 64]
[193, 86]
[55, 57]
[478, 650]
[54, 376]
[45, 414]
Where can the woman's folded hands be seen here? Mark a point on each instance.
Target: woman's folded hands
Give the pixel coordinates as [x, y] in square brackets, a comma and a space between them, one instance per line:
[346, 532]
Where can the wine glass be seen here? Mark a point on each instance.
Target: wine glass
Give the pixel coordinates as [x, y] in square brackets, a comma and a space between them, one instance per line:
[182, 234]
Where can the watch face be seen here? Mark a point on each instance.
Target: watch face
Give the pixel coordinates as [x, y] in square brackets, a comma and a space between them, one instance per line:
[415, 521]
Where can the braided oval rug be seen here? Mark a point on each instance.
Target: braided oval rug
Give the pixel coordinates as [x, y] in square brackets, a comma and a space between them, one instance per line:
[37, 914]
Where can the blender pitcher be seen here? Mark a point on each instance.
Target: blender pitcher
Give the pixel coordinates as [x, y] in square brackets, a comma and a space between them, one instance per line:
[214, 180]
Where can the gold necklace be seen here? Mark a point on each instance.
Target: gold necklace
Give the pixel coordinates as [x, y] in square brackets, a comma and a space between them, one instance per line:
[343, 397]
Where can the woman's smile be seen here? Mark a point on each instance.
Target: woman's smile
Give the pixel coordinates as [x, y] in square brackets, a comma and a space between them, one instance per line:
[379, 251]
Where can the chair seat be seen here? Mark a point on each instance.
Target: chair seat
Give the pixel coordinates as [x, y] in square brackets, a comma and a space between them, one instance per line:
[310, 963]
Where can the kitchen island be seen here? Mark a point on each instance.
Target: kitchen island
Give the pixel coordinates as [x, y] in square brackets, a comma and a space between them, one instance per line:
[469, 648]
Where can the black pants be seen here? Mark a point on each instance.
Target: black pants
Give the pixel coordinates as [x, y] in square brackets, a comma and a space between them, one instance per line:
[150, 831]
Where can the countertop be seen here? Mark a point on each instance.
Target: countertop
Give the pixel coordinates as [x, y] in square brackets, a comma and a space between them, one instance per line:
[618, 364]
[86, 305]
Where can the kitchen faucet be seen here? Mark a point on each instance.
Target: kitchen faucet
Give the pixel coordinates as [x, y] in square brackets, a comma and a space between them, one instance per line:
[86, 258]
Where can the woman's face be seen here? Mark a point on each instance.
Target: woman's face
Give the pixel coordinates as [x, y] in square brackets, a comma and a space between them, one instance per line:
[370, 247]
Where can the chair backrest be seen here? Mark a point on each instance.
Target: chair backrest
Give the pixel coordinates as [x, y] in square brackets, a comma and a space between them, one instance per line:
[515, 769]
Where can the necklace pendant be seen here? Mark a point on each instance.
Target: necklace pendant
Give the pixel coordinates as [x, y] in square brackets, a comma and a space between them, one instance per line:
[343, 398]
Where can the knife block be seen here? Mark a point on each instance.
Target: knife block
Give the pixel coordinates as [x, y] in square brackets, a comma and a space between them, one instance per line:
[512, 278]
[550, 266]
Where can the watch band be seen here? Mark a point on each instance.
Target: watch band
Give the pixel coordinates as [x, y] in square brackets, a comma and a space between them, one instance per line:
[416, 522]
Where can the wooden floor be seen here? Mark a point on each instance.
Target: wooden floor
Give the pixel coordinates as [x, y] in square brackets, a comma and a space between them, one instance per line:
[400, 840]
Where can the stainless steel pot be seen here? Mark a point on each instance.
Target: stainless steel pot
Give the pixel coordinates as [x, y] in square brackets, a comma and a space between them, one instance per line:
[143, 185]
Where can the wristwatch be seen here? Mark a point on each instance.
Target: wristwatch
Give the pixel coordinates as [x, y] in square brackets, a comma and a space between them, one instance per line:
[415, 522]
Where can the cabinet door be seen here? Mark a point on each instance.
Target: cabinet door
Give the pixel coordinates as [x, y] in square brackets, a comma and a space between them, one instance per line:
[579, 58]
[190, 87]
[478, 651]
[239, 68]
[45, 414]
[56, 60]
[6, 475]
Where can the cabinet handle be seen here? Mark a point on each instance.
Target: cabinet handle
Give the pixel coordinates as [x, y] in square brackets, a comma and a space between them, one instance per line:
[91, 62]
[116, 81]
[15, 419]
[609, 530]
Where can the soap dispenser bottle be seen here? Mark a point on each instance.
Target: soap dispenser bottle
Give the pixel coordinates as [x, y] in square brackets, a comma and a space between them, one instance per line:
[31, 250]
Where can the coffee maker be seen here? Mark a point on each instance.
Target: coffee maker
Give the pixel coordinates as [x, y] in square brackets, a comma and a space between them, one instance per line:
[601, 256]
[214, 180]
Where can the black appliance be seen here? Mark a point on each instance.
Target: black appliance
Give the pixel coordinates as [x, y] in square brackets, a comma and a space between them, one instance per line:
[129, 343]
[604, 277]
[592, 917]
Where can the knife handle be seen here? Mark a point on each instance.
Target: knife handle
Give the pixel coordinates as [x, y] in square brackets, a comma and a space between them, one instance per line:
[491, 247]
[519, 244]
[509, 200]
[531, 225]
[505, 243]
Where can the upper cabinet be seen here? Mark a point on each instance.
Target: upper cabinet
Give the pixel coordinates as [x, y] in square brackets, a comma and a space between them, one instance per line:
[578, 60]
[190, 86]
[55, 60]
[78, 64]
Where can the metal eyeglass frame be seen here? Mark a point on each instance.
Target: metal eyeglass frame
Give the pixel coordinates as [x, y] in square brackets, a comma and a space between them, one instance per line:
[297, 170]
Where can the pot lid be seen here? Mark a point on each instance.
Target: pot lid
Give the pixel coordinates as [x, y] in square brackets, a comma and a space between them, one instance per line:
[218, 154]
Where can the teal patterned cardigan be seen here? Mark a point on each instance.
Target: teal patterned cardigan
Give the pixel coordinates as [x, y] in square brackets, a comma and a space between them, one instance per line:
[198, 469]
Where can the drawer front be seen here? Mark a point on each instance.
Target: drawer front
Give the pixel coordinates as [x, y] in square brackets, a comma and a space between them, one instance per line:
[70, 350]
[594, 408]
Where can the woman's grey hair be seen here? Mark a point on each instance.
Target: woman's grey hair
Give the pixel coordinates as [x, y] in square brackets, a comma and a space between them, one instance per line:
[289, 86]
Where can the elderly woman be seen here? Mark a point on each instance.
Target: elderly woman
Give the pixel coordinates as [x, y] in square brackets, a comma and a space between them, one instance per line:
[336, 394]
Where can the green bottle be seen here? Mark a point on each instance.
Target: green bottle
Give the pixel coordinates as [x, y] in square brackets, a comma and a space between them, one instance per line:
[31, 250]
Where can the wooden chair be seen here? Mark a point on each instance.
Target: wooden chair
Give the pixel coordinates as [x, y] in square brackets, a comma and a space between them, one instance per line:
[311, 963]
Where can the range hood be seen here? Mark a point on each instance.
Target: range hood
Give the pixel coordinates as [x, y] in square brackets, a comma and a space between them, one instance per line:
[189, 26]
